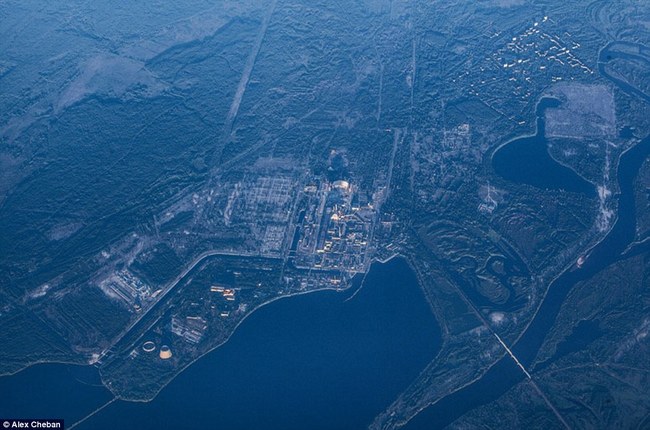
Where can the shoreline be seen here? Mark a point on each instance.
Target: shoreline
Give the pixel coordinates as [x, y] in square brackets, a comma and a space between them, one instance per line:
[263, 304]
[588, 251]
[286, 296]
[260, 306]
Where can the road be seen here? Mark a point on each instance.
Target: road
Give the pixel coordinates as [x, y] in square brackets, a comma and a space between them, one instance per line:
[246, 74]
[166, 291]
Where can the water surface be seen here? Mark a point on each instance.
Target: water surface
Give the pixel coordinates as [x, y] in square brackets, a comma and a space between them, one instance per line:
[526, 160]
[323, 360]
[504, 374]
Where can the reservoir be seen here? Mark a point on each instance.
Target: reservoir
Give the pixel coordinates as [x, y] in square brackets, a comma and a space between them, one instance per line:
[526, 160]
[320, 361]
[52, 391]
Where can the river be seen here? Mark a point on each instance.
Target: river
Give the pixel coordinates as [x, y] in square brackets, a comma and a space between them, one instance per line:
[504, 374]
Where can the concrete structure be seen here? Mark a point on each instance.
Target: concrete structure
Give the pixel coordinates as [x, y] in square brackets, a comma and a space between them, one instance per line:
[148, 346]
[165, 352]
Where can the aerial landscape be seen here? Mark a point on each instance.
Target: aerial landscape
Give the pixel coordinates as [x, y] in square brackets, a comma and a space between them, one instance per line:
[290, 214]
